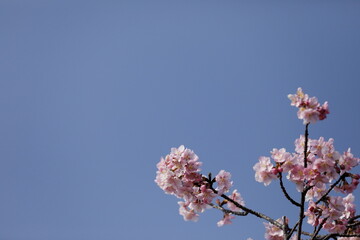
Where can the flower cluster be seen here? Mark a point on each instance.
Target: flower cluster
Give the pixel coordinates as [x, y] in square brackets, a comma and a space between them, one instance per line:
[310, 110]
[273, 232]
[323, 165]
[334, 214]
[315, 167]
[179, 174]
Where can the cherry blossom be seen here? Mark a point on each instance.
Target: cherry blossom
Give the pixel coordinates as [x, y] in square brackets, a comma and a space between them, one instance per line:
[264, 171]
[315, 167]
[310, 110]
[237, 198]
[223, 182]
[226, 220]
[273, 232]
[179, 174]
[188, 214]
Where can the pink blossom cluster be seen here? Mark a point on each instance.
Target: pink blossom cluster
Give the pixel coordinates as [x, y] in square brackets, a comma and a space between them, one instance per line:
[179, 174]
[273, 232]
[227, 216]
[315, 167]
[334, 214]
[324, 165]
[310, 111]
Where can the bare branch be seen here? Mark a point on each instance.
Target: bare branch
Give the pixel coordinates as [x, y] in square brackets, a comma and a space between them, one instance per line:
[224, 210]
[285, 192]
[245, 209]
[257, 214]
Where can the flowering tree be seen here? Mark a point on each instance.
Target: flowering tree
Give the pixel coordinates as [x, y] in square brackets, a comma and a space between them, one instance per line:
[316, 169]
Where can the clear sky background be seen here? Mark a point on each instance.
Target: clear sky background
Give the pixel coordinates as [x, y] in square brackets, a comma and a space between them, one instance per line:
[93, 93]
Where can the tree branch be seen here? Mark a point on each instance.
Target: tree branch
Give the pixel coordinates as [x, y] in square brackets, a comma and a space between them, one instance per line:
[257, 214]
[285, 192]
[342, 177]
[318, 229]
[303, 193]
[227, 210]
[245, 209]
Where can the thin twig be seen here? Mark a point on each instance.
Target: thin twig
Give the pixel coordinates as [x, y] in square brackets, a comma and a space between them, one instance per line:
[293, 229]
[245, 209]
[257, 214]
[224, 210]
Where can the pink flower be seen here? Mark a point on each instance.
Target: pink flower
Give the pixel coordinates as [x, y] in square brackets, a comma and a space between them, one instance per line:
[349, 206]
[223, 182]
[226, 220]
[299, 144]
[308, 115]
[272, 232]
[237, 198]
[310, 110]
[178, 174]
[280, 155]
[263, 171]
[188, 214]
[347, 161]
[313, 213]
[317, 191]
[323, 111]
[206, 195]
[345, 187]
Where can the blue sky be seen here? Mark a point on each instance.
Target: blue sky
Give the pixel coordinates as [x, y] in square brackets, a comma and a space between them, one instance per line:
[93, 93]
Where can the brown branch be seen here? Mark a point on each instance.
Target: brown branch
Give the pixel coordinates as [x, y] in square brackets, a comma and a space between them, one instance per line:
[224, 210]
[303, 193]
[353, 224]
[319, 228]
[331, 188]
[301, 214]
[306, 143]
[248, 210]
[293, 229]
[285, 192]
[245, 209]
[285, 228]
